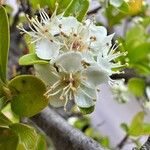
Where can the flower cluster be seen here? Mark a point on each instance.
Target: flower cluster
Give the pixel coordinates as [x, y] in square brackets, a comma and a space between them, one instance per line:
[81, 57]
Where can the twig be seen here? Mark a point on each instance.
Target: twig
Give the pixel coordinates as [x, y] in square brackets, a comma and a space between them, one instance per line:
[64, 136]
[123, 142]
[94, 11]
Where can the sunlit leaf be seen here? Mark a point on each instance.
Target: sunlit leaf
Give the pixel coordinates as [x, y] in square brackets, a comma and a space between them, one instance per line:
[31, 59]
[77, 8]
[136, 124]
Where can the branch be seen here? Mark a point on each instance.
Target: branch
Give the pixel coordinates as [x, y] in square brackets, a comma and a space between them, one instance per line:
[94, 11]
[62, 134]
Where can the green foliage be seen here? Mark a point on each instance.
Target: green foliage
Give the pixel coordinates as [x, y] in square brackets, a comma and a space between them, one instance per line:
[27, 95]
[20, 137]
[31, 59]
[62, 4]
[7, 116]
[138, 46]
[4, 43]
[28, 137]
[8, 139]
[87, 110]
[138, 127]
[137, 86]
[77, 8]
[84, 125]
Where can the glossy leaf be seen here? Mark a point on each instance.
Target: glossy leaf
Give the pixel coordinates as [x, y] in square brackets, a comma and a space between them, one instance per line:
[31, 59]
[77, 8]
[4, 43]
[27, 95]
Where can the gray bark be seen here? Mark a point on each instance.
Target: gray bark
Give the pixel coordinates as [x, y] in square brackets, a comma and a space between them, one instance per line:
[64, 136]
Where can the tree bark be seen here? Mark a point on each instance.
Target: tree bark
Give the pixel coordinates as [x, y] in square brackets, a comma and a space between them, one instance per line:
[63, 135]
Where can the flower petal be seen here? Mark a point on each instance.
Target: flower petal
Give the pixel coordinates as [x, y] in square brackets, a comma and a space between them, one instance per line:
[95, 76]
[82, 100]
[104, 64]
[88, 57]
[55, 101]
[69, 24]
[70, 61]
[46, 73]
[46, 49]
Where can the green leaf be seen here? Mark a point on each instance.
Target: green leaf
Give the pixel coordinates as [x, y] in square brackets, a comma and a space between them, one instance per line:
[137, 86]
[27, 95]
[77, 8]
[41, 143]
[136, 125]
[87, 110]
[62, 4]
[124, 8]
[4, 43]
[27, 135]
[8, 139]
[31, 59]
[140, 52]
[125, 127]
[9, 114]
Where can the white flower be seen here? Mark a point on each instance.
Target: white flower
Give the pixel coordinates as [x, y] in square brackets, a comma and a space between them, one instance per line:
[43, 34]
[120, 91]
[107, 56]
[71, 81]
[85, 38]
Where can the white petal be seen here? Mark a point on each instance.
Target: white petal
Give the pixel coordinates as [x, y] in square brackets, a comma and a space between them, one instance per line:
[46, 49]
[54, 27]
[104, 64]
[88, 57]
[91, 92]
[82, 100]
[55, 101]
[45, 73]
[95, 76]
[70, 61]
[69, 24]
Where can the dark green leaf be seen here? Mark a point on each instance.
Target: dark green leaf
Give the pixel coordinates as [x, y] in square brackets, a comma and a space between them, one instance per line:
[27, 95]
[87, 110]
[77, 8]
[4, 43]
[31, 59]
[8, 139]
